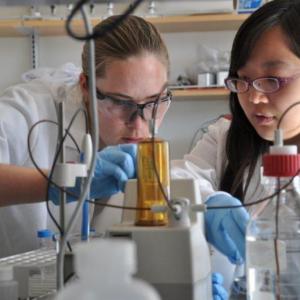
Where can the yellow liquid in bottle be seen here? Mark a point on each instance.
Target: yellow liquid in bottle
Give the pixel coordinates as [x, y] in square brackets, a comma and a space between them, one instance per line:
[149, 191]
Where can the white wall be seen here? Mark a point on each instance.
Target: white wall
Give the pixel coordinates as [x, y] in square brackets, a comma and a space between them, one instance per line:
[184, 117]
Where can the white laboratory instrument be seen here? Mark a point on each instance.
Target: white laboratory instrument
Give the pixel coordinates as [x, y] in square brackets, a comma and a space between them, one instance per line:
[175, 258]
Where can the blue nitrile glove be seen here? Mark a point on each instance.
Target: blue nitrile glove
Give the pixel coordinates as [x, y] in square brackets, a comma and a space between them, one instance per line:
[219, 292]
[226, 228]
[114, 166]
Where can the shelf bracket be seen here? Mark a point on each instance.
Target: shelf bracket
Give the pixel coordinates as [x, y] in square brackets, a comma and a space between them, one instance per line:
[34, 49]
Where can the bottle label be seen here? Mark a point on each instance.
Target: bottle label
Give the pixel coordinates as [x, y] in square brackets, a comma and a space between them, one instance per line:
[262, 255]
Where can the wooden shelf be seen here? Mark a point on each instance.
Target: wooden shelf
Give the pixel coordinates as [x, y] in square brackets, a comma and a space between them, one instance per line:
[205, 93]
[203, 22]
[56, 27]
[11, 28]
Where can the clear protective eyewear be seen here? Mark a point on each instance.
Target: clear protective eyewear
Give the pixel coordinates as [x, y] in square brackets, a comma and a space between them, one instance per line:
[128, 110]
[265, 85]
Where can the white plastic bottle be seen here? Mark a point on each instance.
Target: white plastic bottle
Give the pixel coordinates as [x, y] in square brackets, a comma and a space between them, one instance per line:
[273, 237]
[105, 268]
[8, 286]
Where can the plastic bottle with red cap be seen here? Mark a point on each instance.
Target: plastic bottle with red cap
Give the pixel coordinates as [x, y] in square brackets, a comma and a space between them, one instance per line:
[273, 236]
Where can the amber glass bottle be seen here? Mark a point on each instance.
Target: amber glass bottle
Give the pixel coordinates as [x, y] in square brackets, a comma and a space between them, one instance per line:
[149, 190]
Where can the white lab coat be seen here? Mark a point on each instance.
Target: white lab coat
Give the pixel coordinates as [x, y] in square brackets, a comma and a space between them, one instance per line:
[207, 162]
[20, 107]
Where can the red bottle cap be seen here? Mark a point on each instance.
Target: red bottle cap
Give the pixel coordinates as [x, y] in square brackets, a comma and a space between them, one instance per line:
[281, 165]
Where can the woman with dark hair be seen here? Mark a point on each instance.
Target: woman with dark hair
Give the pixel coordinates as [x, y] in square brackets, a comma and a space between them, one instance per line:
[267, 48]
[264, 80]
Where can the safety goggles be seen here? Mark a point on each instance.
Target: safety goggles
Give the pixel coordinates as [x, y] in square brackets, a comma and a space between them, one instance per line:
[128, 110]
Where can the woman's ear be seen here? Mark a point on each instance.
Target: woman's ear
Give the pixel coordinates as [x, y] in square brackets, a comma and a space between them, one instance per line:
[83, 82]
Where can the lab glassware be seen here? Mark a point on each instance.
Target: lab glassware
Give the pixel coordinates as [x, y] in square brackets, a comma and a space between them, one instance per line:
[46, 239]
[273, 236]
[153, 176]
[238, 289]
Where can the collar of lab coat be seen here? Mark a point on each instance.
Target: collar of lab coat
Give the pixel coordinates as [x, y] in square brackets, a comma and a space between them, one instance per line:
[63, 84]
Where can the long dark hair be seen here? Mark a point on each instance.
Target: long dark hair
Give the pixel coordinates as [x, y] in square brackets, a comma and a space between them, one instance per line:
[244, 146]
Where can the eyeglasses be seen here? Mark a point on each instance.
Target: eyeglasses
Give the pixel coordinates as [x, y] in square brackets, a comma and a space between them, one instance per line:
[265, 85]
[128, 110]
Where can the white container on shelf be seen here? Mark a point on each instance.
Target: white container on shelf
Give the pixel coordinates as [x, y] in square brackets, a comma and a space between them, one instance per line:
[221, 76]
[206, 79]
